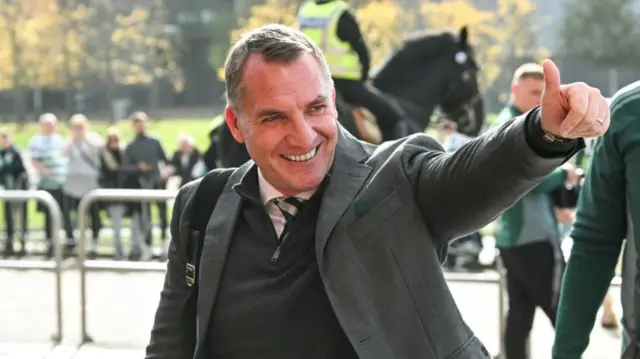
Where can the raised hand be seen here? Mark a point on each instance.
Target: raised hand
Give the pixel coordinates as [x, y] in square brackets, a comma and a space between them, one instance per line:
[575, 110]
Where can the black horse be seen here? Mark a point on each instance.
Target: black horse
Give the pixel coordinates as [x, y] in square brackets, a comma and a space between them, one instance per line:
[436, 69]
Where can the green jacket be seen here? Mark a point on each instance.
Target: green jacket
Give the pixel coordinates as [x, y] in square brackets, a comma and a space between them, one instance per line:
[608, 213]
[512, 221]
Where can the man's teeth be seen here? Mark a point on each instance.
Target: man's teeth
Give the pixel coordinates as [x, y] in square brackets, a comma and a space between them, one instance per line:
[301, 158]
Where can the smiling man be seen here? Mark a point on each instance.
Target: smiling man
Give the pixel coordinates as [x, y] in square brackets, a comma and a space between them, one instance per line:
[325, 247]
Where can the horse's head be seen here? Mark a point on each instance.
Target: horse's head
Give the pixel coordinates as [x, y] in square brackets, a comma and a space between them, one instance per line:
[437, 69]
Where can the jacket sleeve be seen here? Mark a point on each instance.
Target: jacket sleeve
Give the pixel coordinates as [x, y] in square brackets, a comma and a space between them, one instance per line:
[348, 31]
[19, 167]
[173, 335]
[460, 192]
[609, 202]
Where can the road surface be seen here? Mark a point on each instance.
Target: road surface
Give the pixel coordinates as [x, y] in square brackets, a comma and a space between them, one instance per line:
[121, 307]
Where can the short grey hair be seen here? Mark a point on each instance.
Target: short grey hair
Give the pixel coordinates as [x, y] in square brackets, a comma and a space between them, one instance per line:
[185, 137]
[276, 43]
[48, 118]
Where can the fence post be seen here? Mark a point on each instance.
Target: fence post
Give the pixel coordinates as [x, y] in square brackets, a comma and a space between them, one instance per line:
[56, 226]
[138, 195]
[502, 285]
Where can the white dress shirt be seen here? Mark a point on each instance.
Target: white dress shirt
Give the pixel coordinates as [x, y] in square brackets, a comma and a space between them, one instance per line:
[267, 193]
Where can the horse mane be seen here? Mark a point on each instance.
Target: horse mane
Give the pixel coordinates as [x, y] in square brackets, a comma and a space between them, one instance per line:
[419, 45]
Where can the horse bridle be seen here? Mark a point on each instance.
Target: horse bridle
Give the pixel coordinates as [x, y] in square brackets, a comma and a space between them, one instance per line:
[465, 108]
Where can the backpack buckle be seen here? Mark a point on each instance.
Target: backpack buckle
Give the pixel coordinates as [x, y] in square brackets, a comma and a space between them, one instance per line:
[190, 274]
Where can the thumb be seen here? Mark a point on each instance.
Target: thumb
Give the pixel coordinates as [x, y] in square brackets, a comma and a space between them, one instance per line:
[551, 76]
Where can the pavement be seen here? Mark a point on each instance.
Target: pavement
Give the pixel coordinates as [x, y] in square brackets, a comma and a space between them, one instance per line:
[121, 307]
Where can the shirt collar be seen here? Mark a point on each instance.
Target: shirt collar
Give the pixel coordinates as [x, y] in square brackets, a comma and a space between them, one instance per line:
[268, 192]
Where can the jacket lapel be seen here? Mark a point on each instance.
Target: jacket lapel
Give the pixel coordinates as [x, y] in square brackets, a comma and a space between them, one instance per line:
[348, 175]
[214, 250]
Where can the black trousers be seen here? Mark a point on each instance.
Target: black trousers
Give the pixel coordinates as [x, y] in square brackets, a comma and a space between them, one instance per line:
[162, 212]
[531, 269]
[59, 197]
[70, 205]
[387, 114]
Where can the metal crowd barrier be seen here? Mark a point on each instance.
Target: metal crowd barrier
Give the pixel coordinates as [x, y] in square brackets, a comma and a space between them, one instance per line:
[499, 277]
[111, 195]
[56, 226]
[148, 195]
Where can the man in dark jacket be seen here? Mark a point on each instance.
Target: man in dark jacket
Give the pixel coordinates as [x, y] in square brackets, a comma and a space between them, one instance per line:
[332, 26]
[13, 175]
[324, 247]
[143, 157]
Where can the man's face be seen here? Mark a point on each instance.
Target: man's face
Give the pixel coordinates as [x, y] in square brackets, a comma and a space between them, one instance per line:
[47, 127]
[527, 93]
[78, 131]
[287, 120]
[139, 127]
[5, 141]
[185, 146]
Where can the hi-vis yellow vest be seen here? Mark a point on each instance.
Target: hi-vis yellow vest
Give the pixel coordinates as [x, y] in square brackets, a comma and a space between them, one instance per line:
[320, 23]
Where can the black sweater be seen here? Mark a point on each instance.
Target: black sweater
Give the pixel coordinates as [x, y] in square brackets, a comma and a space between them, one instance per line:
[268, 309]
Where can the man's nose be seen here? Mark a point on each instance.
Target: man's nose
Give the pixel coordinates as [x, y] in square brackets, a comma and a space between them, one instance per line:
[303, 134]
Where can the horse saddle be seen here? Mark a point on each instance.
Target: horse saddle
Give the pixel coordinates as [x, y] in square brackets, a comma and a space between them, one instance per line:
[364, 122]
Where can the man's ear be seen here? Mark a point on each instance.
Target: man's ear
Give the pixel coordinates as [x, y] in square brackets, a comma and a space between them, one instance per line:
[233, 123]
[333, 102]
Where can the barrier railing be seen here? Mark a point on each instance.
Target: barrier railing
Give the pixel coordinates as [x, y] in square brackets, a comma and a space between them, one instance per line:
[110, 195]
[56, 226]
[499, 277]
[145, 195]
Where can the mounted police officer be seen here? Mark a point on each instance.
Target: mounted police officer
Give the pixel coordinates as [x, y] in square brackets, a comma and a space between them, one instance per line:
[332, 26]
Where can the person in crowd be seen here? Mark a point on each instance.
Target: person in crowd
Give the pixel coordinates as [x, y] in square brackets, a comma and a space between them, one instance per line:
[528, 234]
[112, 176]
[187, 162]
[608, 214]
[50, 164]
[13, 175]
[82, 150]
[326, 247]
[143, 157]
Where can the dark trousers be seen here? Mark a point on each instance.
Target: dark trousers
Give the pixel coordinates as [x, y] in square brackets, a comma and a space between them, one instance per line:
[531, 269]
[9, 211]
[48, 225]
[162, 212]
[388, 116]
[70, 205]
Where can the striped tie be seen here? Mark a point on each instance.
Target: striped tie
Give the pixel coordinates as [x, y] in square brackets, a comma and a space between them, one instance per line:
[289, 206]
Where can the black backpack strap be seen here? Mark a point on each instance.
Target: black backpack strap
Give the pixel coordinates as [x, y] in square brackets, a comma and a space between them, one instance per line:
[205, 198]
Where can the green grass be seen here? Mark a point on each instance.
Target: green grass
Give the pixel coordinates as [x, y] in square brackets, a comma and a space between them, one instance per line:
[166, 130]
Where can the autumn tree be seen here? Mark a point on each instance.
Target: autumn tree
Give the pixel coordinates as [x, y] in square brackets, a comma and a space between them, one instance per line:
[382, 23]
[33, 55]
[131, 46]
[603, 32]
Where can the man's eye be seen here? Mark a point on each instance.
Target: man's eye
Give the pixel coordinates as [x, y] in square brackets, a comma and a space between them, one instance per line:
[272, 118]
[318, 108]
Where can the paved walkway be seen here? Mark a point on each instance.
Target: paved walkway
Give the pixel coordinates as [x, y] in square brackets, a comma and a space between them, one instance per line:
[121, 308]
